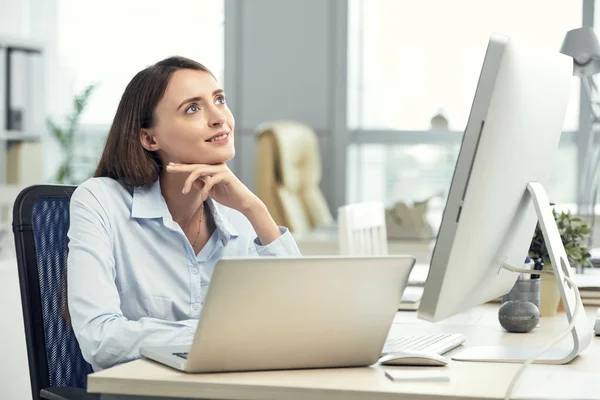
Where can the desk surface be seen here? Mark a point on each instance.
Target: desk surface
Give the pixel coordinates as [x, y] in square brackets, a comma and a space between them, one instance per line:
[467, 379]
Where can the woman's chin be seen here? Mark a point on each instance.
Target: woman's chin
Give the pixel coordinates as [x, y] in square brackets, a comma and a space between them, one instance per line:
[224, 155]
[215, 157]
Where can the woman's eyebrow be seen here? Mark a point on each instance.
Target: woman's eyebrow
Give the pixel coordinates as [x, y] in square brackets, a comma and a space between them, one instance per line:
[198, 98]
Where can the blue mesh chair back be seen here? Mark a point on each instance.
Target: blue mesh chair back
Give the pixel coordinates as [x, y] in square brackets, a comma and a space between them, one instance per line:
[40, 226]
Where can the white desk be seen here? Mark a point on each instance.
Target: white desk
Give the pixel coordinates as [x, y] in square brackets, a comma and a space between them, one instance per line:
[467, 380]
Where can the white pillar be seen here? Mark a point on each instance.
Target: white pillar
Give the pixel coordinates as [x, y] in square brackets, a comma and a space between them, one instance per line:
[286, 59]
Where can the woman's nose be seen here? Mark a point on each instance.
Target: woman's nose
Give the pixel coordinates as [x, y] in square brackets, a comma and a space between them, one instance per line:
[218, 120]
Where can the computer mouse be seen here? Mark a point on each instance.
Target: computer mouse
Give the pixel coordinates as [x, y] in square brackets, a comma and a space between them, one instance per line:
[417, 358]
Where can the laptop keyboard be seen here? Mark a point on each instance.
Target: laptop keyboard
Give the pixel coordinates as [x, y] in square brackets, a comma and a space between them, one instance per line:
[438, 343]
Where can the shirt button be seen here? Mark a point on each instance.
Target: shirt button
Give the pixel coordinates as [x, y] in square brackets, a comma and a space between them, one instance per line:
[194, 270]
[195, 307]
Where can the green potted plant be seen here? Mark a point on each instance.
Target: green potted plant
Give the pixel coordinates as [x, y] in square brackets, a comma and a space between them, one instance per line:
[66, 136]
[574, 233]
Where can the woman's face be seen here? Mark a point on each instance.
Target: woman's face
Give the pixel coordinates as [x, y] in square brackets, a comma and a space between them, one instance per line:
[192, 122]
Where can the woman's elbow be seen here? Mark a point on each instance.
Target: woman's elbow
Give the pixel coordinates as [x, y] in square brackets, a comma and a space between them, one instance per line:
[99, 348]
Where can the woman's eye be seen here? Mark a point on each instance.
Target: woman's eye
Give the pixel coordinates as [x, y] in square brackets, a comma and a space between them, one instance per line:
[221, 99]
[192, 109]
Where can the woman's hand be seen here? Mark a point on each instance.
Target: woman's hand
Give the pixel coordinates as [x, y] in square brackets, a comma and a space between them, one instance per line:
[218, 182]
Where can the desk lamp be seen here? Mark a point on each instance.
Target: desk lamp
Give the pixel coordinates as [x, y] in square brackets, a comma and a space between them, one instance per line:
[582, 44]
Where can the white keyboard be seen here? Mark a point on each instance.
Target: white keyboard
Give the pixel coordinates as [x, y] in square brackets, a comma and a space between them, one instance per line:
[438, 343]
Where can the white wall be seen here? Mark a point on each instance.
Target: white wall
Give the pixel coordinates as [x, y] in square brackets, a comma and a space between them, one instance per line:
[44, 17]
[14, 17]
[286, 59]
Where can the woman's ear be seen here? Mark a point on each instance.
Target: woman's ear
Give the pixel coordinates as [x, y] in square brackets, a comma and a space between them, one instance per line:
[148, 141]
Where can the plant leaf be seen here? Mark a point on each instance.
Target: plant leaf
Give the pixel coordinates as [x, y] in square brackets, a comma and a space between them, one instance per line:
[574, 233]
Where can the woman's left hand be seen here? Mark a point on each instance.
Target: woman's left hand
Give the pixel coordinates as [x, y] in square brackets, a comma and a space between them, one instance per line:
[218, 182]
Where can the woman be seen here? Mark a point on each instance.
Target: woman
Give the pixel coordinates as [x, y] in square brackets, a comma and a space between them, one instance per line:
[162, 209]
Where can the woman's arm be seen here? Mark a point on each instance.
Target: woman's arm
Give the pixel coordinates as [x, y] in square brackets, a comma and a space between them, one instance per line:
[105, 336]
[278, 241]
[265, 227]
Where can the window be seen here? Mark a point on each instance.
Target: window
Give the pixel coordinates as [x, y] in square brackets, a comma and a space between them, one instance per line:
[409, 61]
[108, 42]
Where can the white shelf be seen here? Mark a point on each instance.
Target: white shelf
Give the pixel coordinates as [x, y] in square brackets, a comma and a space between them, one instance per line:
[19, 136]
[22, 43]
[23, 57]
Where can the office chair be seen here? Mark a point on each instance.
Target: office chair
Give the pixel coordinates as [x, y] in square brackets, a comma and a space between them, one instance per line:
[288, 175]
[40, 224]
[362, 229]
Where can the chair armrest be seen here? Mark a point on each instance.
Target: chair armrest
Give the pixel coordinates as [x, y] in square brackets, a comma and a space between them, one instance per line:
[67, 393]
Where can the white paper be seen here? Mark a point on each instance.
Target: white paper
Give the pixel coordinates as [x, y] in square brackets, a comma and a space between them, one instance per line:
[590, 279]
[402, 375]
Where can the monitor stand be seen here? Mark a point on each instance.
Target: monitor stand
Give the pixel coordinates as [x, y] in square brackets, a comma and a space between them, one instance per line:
[581, 333]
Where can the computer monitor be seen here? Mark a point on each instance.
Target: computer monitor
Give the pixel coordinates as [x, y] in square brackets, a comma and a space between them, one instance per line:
[496, 196]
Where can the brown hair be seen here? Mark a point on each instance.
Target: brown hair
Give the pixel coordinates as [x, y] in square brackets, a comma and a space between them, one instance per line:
[124, 158]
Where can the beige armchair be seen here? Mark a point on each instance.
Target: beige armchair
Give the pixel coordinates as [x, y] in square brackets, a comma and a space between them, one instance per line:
[288, 173]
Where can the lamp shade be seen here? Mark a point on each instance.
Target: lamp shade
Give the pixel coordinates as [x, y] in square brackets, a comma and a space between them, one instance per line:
[582, 44]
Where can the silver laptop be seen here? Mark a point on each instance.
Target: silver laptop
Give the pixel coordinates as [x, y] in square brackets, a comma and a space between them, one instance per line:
[291, 313]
